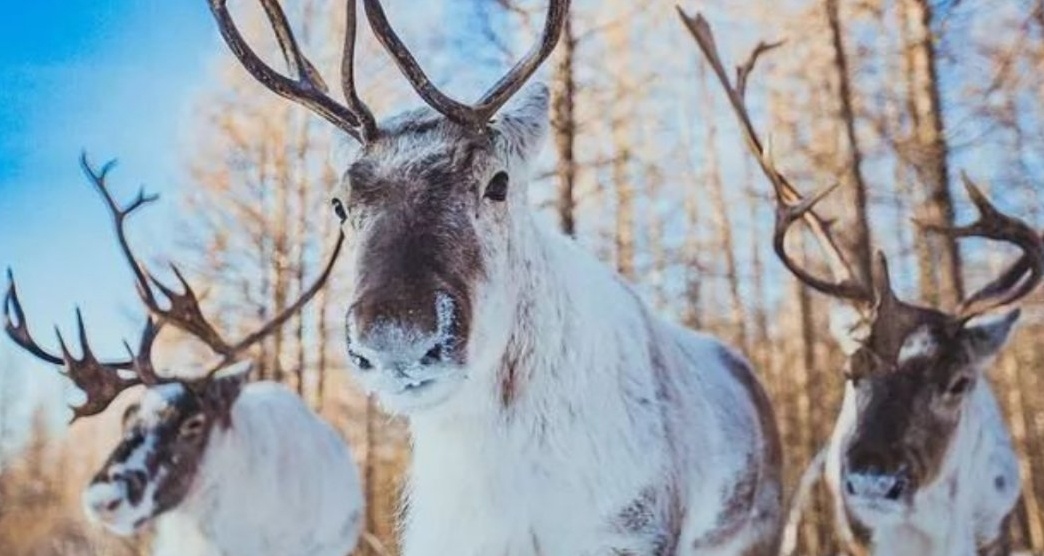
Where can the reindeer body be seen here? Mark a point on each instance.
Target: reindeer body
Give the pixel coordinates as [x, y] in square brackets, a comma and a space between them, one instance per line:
[275, 481]
[551, 414]
[965, 511]
[600, 430]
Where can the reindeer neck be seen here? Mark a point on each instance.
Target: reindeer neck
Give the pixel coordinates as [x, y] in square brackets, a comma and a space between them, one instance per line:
[574, 323]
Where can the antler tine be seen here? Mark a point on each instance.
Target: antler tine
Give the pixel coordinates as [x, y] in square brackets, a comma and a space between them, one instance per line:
[101, 382]
[143, 365]
[421, 83]
[507, 86]
[307, 88]
[184, 310]
[236, 350]
[1014, 283]
[790, 205]
[368, 125]
[185, 313]
[786, 216]
[119, 217]
[17, 327]
[479, 114]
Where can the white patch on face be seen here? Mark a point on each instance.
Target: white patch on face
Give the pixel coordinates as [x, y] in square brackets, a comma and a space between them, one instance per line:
[157, 401]
[108, 502]
[919, 344]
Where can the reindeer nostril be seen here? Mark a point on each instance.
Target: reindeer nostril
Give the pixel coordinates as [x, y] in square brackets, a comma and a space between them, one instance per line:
[897, 489]
[850, 486]
[112, 505]
[433, 356]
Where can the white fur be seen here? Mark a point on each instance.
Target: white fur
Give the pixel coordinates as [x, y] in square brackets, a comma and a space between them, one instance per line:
[278, 482]
[919, 344]
[980, 457]
[591, 424]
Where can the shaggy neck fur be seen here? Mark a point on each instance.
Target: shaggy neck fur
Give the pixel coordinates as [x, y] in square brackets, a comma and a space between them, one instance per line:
[566, 439]
[278, 481]
[964, 511]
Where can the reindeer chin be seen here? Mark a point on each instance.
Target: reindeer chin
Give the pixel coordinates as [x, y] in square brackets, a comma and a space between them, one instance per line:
[876, 512]
[112, 512]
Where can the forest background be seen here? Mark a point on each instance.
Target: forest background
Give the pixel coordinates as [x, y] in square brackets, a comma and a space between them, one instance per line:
[893, 98]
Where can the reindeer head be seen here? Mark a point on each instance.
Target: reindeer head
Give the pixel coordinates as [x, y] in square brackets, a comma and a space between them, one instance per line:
[429, 203]
[911, 370]
[156, 463]
[166, 435]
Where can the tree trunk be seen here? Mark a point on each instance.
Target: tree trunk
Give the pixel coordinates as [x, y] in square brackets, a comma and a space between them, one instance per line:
[722, 217]
[370, 467]
[805, 423]
[856, 240]
[938, 256]
[329, 181]
[563, 122]
[301, 234]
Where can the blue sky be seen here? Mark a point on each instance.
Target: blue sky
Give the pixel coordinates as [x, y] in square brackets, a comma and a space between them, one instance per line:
[116, 78]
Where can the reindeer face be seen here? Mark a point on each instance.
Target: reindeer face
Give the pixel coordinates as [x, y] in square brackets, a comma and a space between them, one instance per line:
[430, 206]
[155, 464]
[906, 402]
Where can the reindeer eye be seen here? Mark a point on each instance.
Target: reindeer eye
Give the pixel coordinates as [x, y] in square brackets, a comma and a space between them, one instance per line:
[496, 190]
[959, 386]
[339, 210]
[193, 426]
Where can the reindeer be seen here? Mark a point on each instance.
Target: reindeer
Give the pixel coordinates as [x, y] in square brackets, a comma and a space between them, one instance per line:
[217, 466]
[551, 412]
[920, 461]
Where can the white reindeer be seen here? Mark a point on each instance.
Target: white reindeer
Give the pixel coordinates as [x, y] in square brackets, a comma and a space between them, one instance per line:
[920, 462]
[551, 412]
[215, 466]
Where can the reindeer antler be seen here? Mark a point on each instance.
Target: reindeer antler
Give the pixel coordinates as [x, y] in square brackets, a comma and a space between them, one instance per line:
[183, 309]
[1017, 281]
[307, 87]
[478, 114]
[102, 382]
[1013, 284]
[790, 205]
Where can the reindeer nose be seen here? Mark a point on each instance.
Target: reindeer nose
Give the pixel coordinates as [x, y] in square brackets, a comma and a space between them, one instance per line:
[397, 334]
[873, 485]
[102, 499]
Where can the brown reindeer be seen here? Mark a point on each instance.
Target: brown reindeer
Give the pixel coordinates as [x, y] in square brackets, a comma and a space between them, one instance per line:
[920, 462]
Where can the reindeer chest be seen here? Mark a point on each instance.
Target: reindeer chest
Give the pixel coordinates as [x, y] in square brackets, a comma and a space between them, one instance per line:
[519, 496]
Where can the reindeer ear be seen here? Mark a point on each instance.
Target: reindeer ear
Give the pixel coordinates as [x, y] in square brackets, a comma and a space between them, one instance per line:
[849, 326]
[984, 337]
[221, 393]
[521, 127]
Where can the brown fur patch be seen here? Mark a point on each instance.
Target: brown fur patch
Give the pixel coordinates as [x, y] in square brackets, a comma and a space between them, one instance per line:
[420, 240]
[741, 504]
[999, 546]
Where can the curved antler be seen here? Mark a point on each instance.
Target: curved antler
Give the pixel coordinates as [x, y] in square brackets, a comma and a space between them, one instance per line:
[100, 381]
[307, 88]
[183, 309]
[1017, 281]
[478, 114]
[790, 205]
